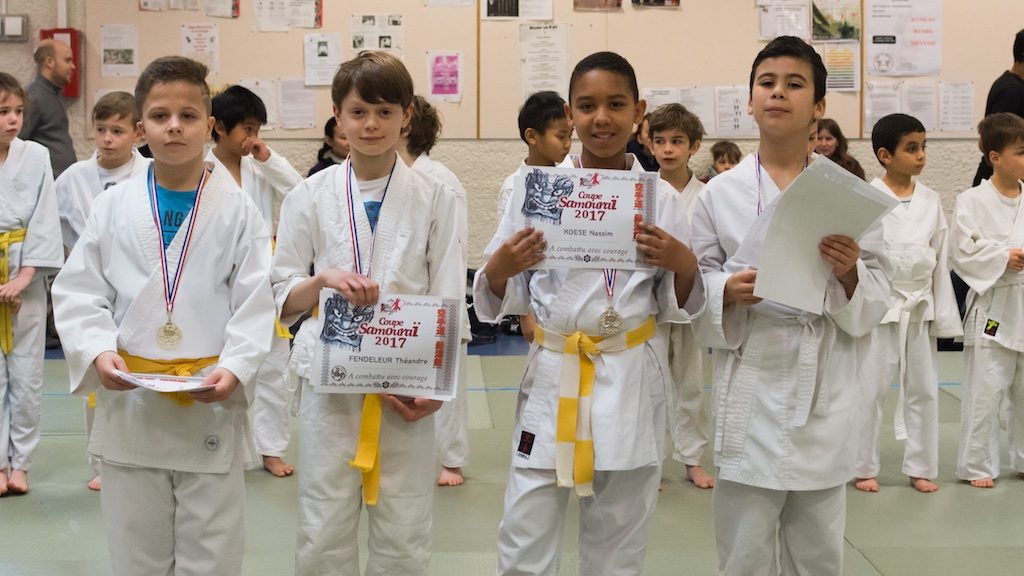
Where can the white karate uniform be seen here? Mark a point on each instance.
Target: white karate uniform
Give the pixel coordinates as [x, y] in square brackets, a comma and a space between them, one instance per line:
[985, 226]
[267, 183]
[452, 420]
[26, 201]
[76, 189]
[687, 420]
[507, 189]
[627, 407]
[775, 367]
[416, 252]
[110, 297]
[900, 348]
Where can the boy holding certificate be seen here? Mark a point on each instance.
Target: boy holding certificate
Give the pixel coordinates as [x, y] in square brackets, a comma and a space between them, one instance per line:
[170, 276]
[602, 431]
[785, 388]
[368, 226]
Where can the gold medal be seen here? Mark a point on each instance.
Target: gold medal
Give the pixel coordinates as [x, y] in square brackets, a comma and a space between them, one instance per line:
[168, 336]
[610, 322]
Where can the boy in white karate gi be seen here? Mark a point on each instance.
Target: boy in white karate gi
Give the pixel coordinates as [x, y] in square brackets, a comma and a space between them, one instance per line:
[170, 276]
[407, 227]
[676, 135]
[785, 387]
[615, 465]
[115, 133]
[985, 249]
[29, 251]
[923, 307]
[267, 178]
[452, 420]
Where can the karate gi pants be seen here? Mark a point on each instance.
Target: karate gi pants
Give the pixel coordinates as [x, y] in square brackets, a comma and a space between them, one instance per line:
[163, 522]
[21, 380]
[614, 522]
[880, 367]
[994, 373]
[762, 532]
[330, 491]
[452, 422]
[687, 418]
[271, 425]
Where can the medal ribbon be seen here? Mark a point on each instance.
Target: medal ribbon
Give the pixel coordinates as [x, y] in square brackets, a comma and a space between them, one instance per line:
[171, 290]
[609, 283]
[367, 458]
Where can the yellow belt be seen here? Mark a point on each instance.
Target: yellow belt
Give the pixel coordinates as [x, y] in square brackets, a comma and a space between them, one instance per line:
[6, 317]
[367, 459]
[282, 331]
[179, 367]
[574, 441]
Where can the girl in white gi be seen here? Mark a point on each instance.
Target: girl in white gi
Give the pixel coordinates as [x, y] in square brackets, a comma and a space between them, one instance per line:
[452, 420]
[170, 276]
[985, 240]
[676, 135]
[408, 230]
[29, 251]
[923, 307]
[267, 177]
[115, 133]
[615, 463]
[785, 386]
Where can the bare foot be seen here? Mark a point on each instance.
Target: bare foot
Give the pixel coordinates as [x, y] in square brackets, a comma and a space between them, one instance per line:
[95, 483]
[278, 467]
[3, 482]
[700, 477]
[17, 484]
[924, 485]
[450, 477]
[983, 483]
[866, 484]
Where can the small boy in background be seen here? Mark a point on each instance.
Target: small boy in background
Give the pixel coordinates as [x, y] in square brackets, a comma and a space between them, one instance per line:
[675, 135]
[985, 250]
[923, 306]
[115, 133]
[452, 420]
[724, 155]
[267, 178]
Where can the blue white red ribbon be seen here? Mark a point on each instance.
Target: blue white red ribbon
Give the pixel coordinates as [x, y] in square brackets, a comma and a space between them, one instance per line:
[171, 289]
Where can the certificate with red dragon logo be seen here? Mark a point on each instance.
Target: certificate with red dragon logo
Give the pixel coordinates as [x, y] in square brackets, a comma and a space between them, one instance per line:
[403, 345]
[590, 218]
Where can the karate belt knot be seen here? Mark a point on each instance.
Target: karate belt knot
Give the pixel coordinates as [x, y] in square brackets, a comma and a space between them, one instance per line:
[181, 367]
[574, 441]
[6, 314]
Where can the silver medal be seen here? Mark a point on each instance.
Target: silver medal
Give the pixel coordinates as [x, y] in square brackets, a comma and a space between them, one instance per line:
[168, 336]
[610, 322]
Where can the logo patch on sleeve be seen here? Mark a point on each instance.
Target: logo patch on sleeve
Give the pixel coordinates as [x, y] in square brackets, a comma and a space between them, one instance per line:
[525, 444]
[991, 326]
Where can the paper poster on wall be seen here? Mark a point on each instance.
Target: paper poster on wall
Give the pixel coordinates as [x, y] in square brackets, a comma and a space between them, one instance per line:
[119, 49]
[321, 58]
[268, 89]
[222, 8]
[516, 9]
[880, 99]
[597, 5]
[842, 60]
[151, 5]
[921, 100]
[835, 20]
[271, 15]
[543, 58]
[307, 13]
[300, 113]
[659, 96]
[783, 18]
[183, 4]
[701, 101]
[377, 32]
[664, 3]
[201, 42]
[444, 76]
[904, 38]
[731, 118]
[956, 106]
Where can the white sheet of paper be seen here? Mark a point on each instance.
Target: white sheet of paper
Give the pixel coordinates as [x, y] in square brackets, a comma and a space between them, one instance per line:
[701, 101]
[731, 118]
[903, 38]
[119, 49]
[300, 111]
[543, 58]
[658, 96]
[785, 18]
[183, 5]
[306, 13]
[321, 58]
[271, 15]
[377, 32]
[956, 106]
[201, 42]
[825, 199]
[269, 90]
[880, 99]
[152, 5]
[163, 383]
[921, 100]
[221, 8]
